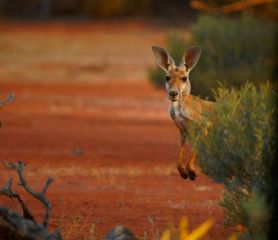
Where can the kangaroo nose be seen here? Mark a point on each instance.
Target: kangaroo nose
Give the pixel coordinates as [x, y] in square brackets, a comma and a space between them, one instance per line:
[173, 93]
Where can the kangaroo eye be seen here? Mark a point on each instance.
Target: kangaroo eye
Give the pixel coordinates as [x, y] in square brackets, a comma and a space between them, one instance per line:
[184, 79]
[168, 78]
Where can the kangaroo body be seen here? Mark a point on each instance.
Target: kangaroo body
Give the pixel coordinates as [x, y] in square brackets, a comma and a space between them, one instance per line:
[183, 106]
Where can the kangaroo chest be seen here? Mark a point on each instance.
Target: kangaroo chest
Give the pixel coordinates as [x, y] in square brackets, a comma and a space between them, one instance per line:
[179, 116]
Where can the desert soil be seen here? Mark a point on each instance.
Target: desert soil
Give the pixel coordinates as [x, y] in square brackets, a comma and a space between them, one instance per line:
[85, 114]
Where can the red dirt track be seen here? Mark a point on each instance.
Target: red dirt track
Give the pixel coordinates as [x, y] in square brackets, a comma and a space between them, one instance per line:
[99, 128]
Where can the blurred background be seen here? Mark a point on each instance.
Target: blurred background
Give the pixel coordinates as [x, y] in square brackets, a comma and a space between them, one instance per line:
[238, 38]
[34, 9]
[90, 105]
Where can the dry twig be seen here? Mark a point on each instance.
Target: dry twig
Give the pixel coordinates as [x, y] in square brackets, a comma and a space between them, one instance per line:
[16, 227]
[38, 195]
[7, 191]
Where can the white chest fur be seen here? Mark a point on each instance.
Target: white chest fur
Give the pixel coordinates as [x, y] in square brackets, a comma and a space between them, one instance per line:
[175, 110]
[177, 114]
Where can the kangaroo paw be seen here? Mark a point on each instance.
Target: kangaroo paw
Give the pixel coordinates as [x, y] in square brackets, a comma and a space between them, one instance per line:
[192, 175]
[183, 172]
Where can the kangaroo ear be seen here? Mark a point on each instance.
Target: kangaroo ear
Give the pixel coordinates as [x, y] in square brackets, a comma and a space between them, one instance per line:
[191, 57]
[163, 58]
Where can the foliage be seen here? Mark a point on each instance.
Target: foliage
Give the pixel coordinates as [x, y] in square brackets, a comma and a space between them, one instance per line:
[183, 233]
[261, 8]
[234, 51]
[94, 8]
[214, 3]
[235, 145]
[176, 46]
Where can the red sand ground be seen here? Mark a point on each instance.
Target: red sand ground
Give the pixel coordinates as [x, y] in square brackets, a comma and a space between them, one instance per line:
[110, 146]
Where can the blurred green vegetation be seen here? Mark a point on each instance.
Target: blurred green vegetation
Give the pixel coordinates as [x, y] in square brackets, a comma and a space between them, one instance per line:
[94, 8]
[234, 50]
[238, 150]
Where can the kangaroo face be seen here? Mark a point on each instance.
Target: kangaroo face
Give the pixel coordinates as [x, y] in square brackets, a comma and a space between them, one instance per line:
[177, 78]
[177, 83]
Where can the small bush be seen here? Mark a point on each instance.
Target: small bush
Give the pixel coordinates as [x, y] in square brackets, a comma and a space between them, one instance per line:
[176, 46]
[234, 51]
[238, 150]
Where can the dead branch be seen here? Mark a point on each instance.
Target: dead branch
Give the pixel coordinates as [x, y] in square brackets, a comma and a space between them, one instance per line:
[38, 195]
[16, 227]
[7, 191]
[228, 8]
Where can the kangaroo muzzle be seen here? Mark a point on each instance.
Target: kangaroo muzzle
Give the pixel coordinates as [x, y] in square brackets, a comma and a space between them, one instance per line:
[173, 94]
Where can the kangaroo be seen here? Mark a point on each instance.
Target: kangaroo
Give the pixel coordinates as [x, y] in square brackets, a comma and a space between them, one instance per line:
[183, 106]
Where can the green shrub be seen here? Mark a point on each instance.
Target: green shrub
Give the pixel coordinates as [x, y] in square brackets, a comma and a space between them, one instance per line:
[234, 51]
[176, 46]
[238, 151]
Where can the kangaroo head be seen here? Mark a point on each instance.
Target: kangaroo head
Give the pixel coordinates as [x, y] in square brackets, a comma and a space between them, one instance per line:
[177, 78]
